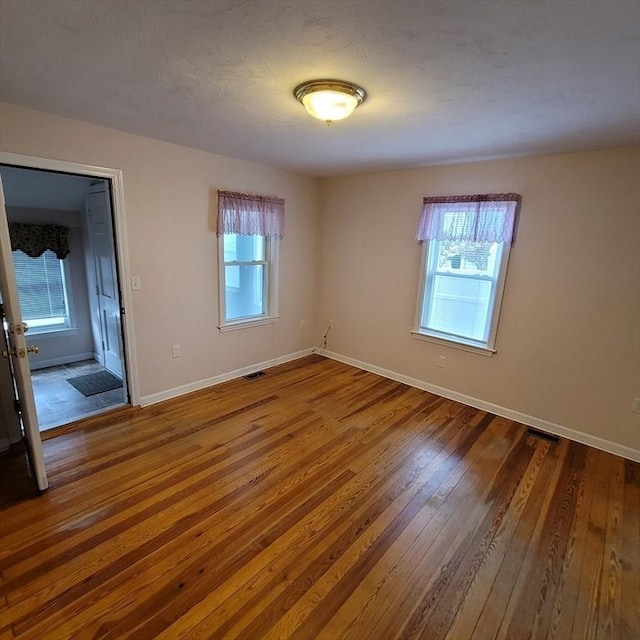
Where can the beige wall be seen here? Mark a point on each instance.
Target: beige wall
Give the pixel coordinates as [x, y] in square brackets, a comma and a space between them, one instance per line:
[569, 335]
[169, 207]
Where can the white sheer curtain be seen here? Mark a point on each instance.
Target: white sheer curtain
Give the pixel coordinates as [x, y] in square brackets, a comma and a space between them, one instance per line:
[477, 218]
[250, 215]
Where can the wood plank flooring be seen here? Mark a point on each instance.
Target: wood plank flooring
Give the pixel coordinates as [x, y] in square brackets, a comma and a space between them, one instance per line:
[319, 501]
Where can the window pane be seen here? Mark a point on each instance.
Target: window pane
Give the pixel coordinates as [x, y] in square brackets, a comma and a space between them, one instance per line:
[244, 291]
[459, 306]
[460, 287]
[41, 288]
[239, 248]
[468, 257]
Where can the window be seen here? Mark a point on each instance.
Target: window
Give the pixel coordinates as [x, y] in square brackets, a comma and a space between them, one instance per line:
[465, 256]
[249, 228]
[248, 277]
[42, 291]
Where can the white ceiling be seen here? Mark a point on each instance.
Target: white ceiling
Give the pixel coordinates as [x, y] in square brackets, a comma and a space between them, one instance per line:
[36, 189]
[447, 80]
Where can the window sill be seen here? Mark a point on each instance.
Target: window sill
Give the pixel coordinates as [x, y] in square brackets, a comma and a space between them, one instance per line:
[454, 344]
[51, 333]
[246, 324]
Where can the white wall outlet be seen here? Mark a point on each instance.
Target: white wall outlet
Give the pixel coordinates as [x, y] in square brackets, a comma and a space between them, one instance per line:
[303, 323]
[135, 283]
[635, 405]
[175, 351]
[442, 361]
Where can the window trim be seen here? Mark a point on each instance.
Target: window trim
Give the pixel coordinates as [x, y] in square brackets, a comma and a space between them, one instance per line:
[270, 286]
[459, 342]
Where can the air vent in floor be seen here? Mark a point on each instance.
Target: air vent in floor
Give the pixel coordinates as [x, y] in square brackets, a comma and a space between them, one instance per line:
[541, 434]
[255, 374]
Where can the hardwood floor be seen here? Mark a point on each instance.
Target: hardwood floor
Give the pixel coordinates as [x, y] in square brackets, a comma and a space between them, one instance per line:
[321, 501]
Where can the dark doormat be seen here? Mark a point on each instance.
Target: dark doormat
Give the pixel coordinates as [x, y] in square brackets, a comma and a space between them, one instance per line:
[92, 383]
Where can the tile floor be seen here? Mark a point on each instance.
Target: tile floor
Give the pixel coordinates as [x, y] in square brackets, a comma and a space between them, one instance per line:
[58, 402]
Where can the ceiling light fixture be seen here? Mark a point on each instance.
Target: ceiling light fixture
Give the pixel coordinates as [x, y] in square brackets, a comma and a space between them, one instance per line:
[330, 100]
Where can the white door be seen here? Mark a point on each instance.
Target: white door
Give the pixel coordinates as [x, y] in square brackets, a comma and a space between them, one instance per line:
[102, 246]
[18, 351]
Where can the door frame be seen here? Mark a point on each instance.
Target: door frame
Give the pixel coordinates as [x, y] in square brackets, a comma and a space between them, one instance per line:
[121, 249]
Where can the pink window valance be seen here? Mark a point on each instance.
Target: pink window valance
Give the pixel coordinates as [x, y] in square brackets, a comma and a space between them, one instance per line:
[475, 218]
[250, 215]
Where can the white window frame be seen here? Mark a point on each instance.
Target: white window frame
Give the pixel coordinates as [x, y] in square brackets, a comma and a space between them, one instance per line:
[460, 342]
[58, 329]
[270, 286]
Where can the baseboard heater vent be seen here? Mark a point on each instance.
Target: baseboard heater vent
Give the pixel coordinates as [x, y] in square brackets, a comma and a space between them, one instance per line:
[255, 374]
[541, 434]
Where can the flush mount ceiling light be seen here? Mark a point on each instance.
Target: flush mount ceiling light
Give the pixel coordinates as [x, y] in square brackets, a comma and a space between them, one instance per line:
[329, 100]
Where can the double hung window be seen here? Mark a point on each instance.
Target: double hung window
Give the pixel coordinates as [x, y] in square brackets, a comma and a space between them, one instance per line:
[249, 228]
[467, 241]
[248, 276]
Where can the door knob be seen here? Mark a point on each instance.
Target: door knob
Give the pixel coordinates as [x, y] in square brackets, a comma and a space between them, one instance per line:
[34, 349]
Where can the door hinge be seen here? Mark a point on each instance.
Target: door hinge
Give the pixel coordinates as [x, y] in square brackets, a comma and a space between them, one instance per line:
[17, 405]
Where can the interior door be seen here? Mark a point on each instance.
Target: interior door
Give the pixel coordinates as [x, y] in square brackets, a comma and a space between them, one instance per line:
[102, 246]
[10, 427]
[18, 352]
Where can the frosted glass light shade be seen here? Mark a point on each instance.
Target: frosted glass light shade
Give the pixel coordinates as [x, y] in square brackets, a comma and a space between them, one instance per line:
[329, 100]
[329, 105]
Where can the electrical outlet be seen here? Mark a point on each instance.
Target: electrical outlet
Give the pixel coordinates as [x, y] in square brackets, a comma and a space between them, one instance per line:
[303, 323]
[135, 283]
[635, 405]
[175, 351]
[442, 361]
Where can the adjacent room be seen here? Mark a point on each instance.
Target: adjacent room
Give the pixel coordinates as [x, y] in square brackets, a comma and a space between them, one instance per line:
[62, 291]
[321, 319]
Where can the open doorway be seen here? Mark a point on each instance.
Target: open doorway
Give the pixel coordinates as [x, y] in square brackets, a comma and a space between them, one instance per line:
[69, 291]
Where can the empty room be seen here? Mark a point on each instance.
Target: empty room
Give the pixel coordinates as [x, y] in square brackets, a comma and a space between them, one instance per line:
[321, 319]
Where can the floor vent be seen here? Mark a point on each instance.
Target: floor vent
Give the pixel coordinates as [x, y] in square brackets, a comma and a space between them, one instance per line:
[255, 374]
[541, 434]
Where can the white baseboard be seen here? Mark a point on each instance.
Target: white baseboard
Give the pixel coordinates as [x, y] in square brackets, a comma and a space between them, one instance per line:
[54, 362]
[531, 421]
[223, 377]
